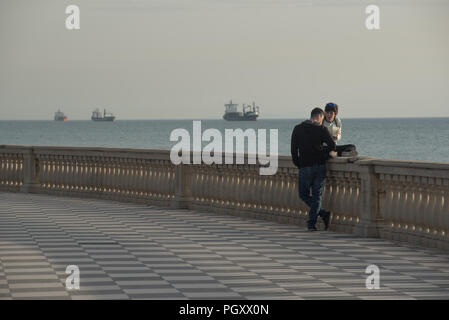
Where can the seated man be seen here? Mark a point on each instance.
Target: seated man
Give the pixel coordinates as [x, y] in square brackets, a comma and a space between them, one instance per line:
[333, 124]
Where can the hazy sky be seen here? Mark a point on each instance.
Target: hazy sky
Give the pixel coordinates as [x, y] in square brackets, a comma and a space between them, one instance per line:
[150, 59]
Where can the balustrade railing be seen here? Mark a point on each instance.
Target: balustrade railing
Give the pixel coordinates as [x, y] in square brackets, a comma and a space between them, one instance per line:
[397, 200]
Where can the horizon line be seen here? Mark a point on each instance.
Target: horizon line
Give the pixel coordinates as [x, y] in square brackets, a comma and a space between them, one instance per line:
[193, 119]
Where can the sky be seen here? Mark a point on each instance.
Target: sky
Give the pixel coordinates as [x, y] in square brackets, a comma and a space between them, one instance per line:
[184, 59]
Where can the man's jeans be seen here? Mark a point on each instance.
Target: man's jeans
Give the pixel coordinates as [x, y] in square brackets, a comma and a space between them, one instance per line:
[312, 177]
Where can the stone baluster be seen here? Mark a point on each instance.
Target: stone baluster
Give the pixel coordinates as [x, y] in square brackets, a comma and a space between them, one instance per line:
[159, 179]
[14, 168]
[133, 176]
[292, 194]
[76, 173]
[432, 215]
[407, 198]
[438, 194]
[247, 188]
[256, 185]
[147, 178]
[232, 187]
[347, 200]
[226, 185]
[63, 174]
[129, 177]
[223, 186]
[97, 174]
[210, 184]
[272, 194]
[218, 186]
[3, 163]
[414, 205]
[122, 177]
[43, 170]
[388, 202]
[439, 219]
[333, 198]
[10, 170]
[278, 188]
[132, 179]
[152, 180]
[339, 193]
[252, 190]
[81, 173]
[423, 207]
[229, 186]
[165, 181]
[444, 218]
[216, 180]
[87, 174]
[139, 178]
[54, 173]
[196, 187]
[109, 174]
[61, 177]
[118, 167]
[69, 173]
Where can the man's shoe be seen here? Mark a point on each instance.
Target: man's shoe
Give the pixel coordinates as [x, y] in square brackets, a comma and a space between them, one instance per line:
[311, 229]
[326, 216]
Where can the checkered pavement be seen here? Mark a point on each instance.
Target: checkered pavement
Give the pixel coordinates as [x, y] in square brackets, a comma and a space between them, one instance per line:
[133, 251]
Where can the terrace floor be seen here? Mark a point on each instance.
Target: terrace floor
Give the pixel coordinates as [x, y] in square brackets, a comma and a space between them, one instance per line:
[133, 251]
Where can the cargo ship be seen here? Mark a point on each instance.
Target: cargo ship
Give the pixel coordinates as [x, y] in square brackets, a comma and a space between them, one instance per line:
[250, 112]
[105, 116]
[60, 116]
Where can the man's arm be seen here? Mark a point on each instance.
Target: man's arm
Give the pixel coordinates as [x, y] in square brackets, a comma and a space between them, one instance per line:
[295, 147]
[327, 138]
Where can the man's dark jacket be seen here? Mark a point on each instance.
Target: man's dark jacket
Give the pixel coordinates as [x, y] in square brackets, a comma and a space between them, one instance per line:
[307, 144]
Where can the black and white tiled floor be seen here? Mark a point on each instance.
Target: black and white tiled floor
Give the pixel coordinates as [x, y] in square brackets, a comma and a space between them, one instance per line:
[132, 251]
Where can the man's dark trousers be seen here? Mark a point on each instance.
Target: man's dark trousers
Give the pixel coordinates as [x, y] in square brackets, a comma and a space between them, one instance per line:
[312, 177]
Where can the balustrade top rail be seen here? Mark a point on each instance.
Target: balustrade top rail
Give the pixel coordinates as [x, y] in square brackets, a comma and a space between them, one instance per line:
[394, 199]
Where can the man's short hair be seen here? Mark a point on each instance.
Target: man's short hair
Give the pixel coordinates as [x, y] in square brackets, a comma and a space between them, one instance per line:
[316, 112]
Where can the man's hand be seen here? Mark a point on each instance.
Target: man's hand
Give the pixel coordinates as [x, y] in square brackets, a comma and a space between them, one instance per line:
[333, 154]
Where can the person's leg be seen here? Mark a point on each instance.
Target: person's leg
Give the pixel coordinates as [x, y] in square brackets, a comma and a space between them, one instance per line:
[345, 148]
[317, 191]
[304, 184]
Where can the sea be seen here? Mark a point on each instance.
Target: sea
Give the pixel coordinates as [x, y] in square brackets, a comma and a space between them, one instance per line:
[423, 139]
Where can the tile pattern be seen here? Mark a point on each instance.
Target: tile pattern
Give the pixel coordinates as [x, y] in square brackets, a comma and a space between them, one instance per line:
[132, 251]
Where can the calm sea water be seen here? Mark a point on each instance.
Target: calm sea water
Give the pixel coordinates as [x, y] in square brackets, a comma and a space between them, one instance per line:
[406, 139]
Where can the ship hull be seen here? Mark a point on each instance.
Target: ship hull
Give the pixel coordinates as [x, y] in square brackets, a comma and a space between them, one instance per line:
[110, 119]
[238, 117]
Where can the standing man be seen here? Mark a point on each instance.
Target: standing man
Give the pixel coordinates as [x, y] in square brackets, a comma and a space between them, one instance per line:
[310, 157]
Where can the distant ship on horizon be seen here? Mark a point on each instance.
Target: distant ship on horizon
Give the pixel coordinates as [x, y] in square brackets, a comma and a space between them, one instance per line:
[98, 116]
[60, 116]
[250, 113]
